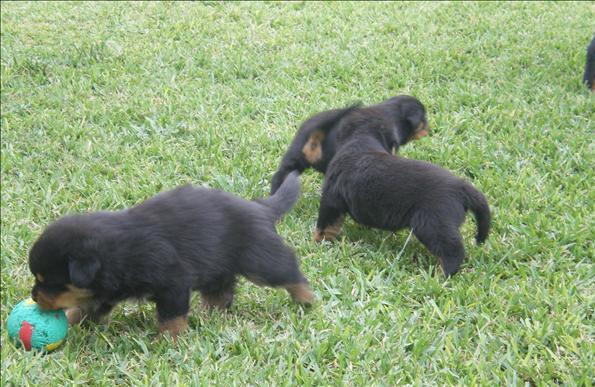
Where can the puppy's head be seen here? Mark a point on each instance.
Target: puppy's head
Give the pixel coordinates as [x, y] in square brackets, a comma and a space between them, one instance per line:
[65, 262]
[409, 116]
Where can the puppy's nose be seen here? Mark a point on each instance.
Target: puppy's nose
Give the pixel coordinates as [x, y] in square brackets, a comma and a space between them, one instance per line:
[34, 295]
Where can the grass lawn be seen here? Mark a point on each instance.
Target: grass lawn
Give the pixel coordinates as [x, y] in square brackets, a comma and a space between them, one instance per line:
[105, 105]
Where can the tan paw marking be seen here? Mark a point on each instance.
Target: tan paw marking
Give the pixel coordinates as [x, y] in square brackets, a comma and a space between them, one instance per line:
[174, 327]
[301, 293]
[330, 232]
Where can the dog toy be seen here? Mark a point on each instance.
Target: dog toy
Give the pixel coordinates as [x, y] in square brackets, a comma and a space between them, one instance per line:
[34, 328]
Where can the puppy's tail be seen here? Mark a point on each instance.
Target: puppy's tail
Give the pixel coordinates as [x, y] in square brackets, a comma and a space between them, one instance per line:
[476, 202]
[285, 197]
[313, 131]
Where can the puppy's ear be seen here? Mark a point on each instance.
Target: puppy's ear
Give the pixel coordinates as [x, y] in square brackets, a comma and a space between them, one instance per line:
[83, 271]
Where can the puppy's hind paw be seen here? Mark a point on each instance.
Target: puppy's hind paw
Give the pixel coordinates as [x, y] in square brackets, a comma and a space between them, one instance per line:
[301, 293]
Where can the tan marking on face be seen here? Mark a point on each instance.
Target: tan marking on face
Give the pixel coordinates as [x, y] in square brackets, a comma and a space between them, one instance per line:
[330, 232]
[71, 298]
[421, 131]
[313, 148]
[174, 327]
[45, 302]
[40, 278]
[420, 134]
[301, 293]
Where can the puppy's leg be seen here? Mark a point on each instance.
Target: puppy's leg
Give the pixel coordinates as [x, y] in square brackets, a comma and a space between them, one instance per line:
[444, 241]
[221, 296]
[330, 218]
[172, 310]
[275, 265]
[449, 249]
[95, 312]
[301, 293]
[305, 151]
[220, 301]
[330, 231]
[292, 161]
[279, 177]
[75, 315]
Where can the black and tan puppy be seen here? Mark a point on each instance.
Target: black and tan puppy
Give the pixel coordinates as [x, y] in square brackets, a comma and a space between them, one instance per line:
[162, 249]
[388, 192]
[589, 76]
[314, 145]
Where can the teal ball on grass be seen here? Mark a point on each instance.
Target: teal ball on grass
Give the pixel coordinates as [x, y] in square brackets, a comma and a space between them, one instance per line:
[33, 328]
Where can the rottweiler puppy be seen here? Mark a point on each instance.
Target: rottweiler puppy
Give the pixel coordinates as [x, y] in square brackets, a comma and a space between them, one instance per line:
[381, 190]
[164, 248]
[314, 145]
[589, 77]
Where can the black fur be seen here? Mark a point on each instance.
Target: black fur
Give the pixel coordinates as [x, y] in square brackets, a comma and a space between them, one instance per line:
[589, 77]
[388, 192]
[182, 240]
[294, 159]
[402, 112]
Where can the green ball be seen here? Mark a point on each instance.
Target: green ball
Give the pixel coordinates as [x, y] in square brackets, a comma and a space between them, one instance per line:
[34, 328]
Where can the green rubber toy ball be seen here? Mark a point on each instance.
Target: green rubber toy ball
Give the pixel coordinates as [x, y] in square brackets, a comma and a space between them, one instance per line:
[33, 328]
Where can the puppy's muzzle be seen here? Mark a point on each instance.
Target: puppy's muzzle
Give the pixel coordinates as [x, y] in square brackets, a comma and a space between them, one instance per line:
[44, 301]
[422, 130]
[70, 298]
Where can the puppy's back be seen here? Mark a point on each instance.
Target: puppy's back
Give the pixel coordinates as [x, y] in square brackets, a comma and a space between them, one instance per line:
[384, 191]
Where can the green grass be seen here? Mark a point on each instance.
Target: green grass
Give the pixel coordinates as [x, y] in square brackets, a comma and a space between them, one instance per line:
[105, 105]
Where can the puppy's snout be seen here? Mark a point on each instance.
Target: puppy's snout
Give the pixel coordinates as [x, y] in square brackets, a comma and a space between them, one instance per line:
[44, 302]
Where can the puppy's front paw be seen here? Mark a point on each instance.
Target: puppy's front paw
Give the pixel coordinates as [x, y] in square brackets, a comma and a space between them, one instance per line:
[328, 234]
[174, 327]
[318, 235]
[74, 316]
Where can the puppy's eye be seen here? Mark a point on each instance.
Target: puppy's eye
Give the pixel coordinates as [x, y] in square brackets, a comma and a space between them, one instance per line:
[40, 278]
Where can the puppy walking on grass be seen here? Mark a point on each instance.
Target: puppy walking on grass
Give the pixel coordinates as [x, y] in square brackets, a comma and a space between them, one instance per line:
[389, 192]
[182, 240]
[315, 143]
[589, 75]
